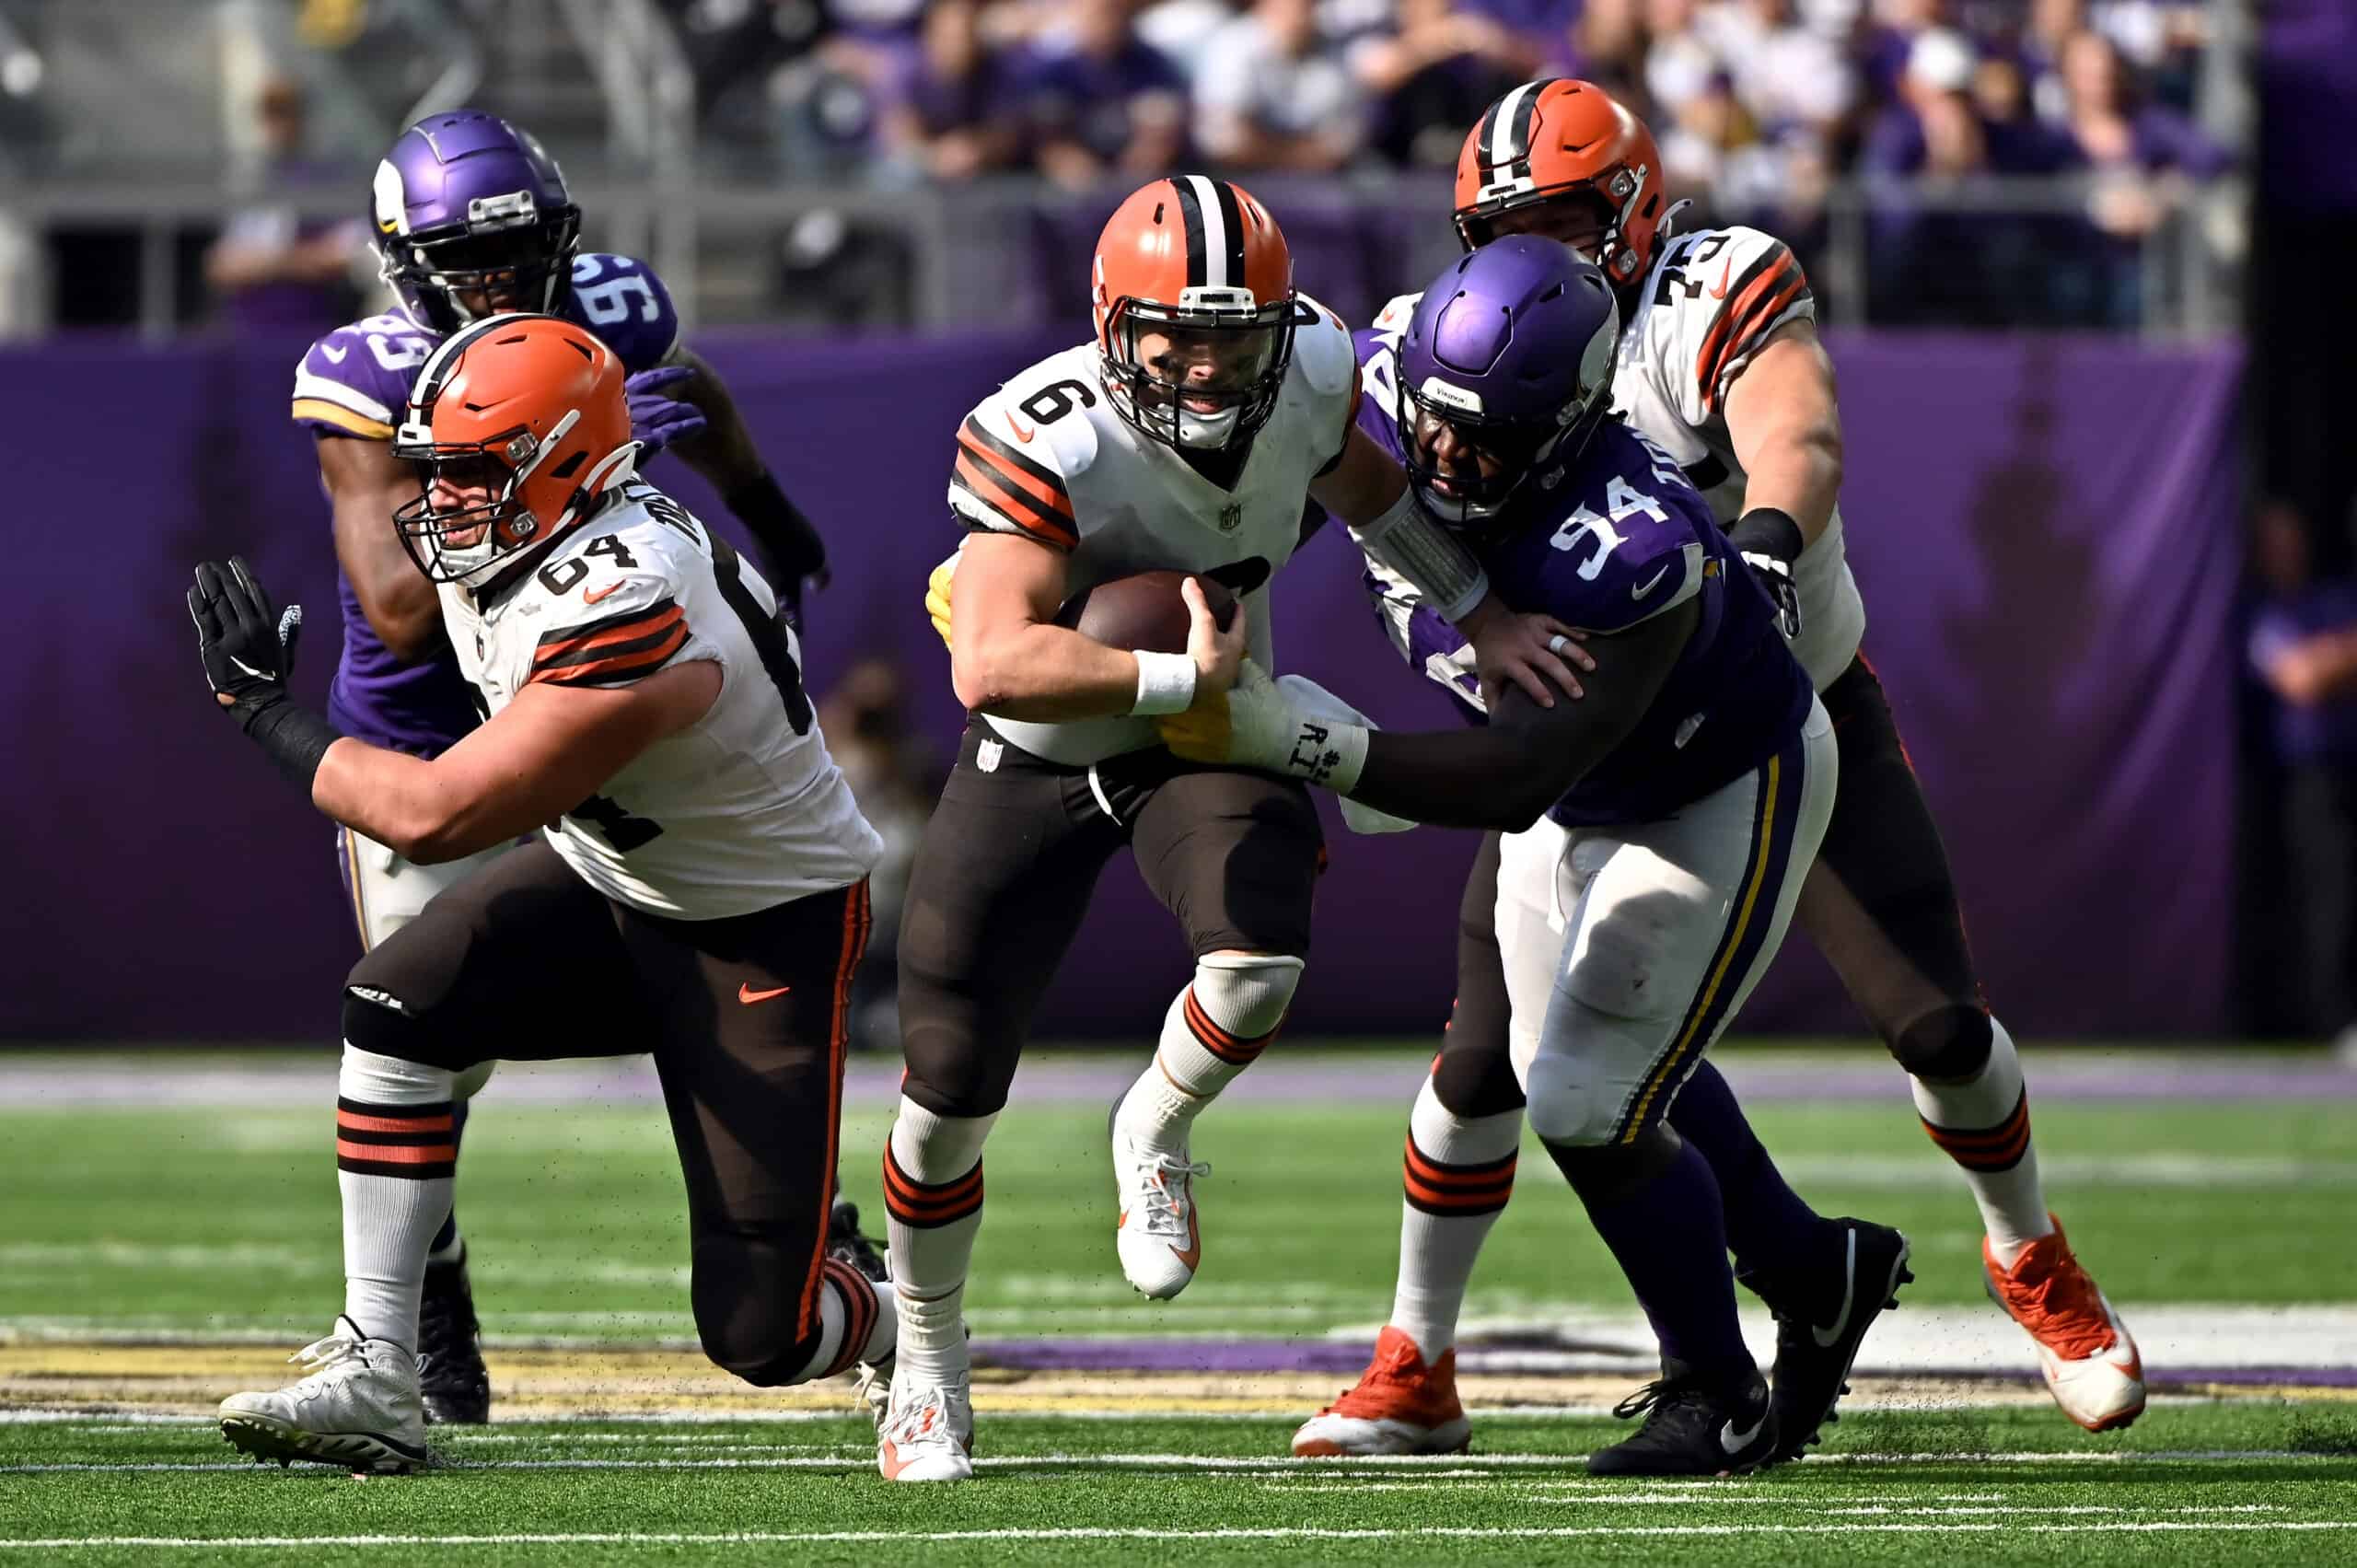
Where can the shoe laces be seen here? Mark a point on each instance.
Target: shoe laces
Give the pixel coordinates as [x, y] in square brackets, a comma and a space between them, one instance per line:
[322, 1357]
[1163, 1196]
[2062, 1305]
[1661, 1399]
[846, 1241]
[923, 1417]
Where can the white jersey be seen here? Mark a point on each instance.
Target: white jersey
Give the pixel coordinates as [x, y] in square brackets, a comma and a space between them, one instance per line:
[1046, 456]
[743, 810]
[1710, 303]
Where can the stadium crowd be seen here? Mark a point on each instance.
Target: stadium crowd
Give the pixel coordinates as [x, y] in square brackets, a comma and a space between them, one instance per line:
[1758, 104]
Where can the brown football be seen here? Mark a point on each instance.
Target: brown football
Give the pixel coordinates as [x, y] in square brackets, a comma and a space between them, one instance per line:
[1143, 612]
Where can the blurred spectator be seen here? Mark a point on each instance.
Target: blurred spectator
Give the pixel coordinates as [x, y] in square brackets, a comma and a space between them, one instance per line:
[2140, 155]
[1679, 66]
[272, 269]
[866, 723]
[1933, 130]
[1100, 102]
[1434, 75]
[1605, 44]
[1884, 42]
[2304, 646]
[1785, 74]
[1272, 95]
[946, 113]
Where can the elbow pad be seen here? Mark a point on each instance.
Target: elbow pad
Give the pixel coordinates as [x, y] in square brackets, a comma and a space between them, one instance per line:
[1439, 568]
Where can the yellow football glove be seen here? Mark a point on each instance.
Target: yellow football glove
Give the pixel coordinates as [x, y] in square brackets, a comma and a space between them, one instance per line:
[936, 595]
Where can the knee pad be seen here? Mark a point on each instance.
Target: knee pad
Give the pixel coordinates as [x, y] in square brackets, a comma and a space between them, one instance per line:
[1247, 993]
[1569, 1105]
[1947, 1045]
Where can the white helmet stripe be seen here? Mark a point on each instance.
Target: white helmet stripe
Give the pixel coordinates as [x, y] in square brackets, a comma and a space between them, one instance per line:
[1504, 146]
[1216, 234]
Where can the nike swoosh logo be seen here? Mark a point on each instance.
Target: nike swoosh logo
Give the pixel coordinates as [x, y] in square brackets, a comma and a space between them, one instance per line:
[606, 592]
[748, 995]
[335, 355]
[1826, 1337]
[1193, 1252]
[1720, 292]
[250, 670]
[1650, 584]
[1020, 433]
[1735, 1442]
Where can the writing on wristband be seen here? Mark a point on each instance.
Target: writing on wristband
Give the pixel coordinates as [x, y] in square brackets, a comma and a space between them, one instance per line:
[1328, 754]
[1166, 684]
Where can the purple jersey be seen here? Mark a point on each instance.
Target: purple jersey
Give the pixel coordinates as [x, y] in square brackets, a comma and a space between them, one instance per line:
[354, 383]
[1620, 537]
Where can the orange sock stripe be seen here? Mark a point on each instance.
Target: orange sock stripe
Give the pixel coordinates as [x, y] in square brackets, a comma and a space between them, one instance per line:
[1461, 1190]
[859, 1314]
[1233, 1048]
[927, 1208]
[1988, 1149]
[346, 1121]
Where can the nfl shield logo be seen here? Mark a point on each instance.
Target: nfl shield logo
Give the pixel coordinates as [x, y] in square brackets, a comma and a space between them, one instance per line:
[1231, 517]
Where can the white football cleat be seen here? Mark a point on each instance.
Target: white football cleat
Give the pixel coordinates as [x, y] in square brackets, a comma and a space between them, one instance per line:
[928, 1433]
[1400, 1406]
[358, 1405]
[1156, 1234]
[2091, 1365]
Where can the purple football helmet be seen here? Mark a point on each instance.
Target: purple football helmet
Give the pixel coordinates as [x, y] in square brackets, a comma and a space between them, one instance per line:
[466, 204]
[1506, 370]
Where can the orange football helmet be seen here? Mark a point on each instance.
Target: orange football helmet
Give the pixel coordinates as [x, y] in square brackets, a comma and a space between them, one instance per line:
[1563, 140]
[517, 423]
[1192, 288]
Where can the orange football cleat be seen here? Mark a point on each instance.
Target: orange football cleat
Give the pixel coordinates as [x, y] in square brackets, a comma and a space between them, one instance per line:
[1400, 1406]
[2090, 1361]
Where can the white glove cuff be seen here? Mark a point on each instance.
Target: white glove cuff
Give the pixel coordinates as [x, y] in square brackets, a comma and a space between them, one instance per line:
[1326, 753]
[1166, 684]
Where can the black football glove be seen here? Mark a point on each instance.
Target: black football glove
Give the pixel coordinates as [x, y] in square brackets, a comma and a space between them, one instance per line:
[247, 649]
[1769, 542]
[249, 652]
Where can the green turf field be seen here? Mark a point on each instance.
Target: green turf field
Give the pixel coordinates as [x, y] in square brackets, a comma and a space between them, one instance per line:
[193, 1219]
[217, 1224]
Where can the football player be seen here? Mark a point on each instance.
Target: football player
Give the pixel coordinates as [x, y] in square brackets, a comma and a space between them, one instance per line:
[472, 219]
[1212, 400]
[1720, 365]
[701, 891]
[1654, 835]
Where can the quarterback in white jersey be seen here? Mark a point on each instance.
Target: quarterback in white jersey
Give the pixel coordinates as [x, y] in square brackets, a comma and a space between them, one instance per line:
[1185, 437]
[1720, 365]
[704, 896]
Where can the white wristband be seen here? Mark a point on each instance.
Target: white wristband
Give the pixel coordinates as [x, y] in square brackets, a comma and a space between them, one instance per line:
[1166, 684]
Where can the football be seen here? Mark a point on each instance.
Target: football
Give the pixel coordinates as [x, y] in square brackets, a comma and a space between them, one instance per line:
[1142, 612]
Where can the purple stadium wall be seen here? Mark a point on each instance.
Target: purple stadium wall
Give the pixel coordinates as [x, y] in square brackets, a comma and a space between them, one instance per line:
[2048, 573]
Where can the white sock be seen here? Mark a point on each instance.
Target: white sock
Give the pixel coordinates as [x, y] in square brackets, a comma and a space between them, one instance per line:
[1215, 1027]
[1459, 1172]
[1984, 1125]
[933, 1201]
[394, 1166]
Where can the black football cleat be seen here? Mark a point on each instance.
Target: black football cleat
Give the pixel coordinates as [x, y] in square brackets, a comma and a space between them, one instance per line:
[846, 1241]
[450, 1372]
[1692, 1429]
[1822, 1319]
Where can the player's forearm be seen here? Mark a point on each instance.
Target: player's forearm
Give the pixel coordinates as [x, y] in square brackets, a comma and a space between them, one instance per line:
[421, 810]
[722, 451]
[1797, 470]
[1042, 674]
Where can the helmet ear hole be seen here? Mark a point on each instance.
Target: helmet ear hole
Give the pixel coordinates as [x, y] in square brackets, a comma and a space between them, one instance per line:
[570, 466]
